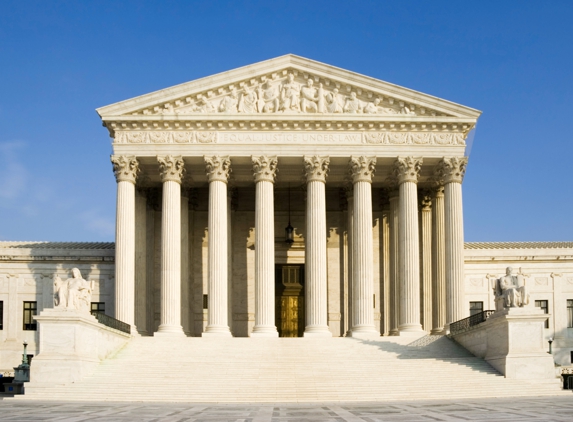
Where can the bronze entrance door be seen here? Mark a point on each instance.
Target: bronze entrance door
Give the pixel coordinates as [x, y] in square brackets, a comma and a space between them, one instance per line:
[289, 300]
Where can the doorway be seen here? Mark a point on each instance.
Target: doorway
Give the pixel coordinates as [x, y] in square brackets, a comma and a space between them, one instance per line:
[289, 300]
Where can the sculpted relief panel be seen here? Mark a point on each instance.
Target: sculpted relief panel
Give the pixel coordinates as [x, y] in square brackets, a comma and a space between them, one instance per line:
[289, 92]
[286, 137]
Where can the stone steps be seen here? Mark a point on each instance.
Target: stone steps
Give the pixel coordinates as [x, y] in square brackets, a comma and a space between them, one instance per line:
[291, 370]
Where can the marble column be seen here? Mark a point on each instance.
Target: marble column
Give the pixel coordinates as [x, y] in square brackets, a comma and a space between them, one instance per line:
[406, 170]
[265, 170]
[426, 259]
[316, 169]
[361, 170]
[349, 243]
[394, 198]
[218, 170]
[171, 170]
[125, 169]
[438, 262]
[451, 171]
[185, 307]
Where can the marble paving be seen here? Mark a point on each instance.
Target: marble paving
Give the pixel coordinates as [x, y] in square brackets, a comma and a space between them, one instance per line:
[507, 410]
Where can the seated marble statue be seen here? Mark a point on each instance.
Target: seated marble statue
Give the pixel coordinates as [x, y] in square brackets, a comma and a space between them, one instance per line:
[510, 291]
[74, 293]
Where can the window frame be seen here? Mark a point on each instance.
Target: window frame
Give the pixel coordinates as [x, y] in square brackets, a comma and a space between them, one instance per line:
[28, 314]
[538, 304]
[480, 309]
[569, 313]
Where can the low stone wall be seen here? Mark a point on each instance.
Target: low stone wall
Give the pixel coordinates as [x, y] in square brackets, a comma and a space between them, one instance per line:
[71, 345]
[511, 341]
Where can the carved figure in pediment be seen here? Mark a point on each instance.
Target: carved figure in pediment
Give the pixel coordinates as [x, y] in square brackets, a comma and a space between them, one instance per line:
[321, 102]
[404, 109]
[268, 98]
[373, 107]
[353, 104]
[290, 94]
[229, 103]
[205, 106]
[510, 291]
[248, 102]
[333, 102]
[309, 98]
[74, 293]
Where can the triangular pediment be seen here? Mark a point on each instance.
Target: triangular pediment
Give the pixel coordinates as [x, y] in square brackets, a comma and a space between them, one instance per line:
[287, 85]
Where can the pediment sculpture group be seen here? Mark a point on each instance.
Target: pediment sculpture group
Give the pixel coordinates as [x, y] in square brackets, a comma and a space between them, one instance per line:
[510, 291]
[74, 293]
[292, 97]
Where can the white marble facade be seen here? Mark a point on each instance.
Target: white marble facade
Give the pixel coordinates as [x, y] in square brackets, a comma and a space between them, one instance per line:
[369, 174]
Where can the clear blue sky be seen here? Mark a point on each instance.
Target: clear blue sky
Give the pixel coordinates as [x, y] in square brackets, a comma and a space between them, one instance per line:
[59, 60]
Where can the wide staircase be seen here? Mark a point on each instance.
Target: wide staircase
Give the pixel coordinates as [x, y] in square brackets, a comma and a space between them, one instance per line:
[292, 370]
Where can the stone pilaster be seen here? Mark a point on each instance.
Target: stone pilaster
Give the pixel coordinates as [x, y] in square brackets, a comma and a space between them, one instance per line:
[316, 169]
[126, 169]
[407, 170]
[451, 171]
[264, 169]
[438, 262]
[218, 171]
[361, 170]
[171, 170]
[394, 198]
[426, 259]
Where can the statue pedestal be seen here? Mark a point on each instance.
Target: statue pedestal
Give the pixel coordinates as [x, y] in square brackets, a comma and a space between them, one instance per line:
[71, 344]
[511, 340]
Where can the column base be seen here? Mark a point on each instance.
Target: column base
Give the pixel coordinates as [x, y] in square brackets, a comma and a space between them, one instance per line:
[411, 328]
[216, 331]
[264, 331]
[169, 330]
[317, 332]
[394, 332]
[364, 332]
[437, 331]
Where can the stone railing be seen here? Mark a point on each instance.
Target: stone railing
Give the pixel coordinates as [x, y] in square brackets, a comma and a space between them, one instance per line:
[468, 323]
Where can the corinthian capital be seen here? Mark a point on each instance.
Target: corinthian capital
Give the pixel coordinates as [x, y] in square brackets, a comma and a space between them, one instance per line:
[316, 168]
[171, 168]
[217, 168]
[451, 170]
[407, 169]
[361, 169]
[125, 168]
[264, 168]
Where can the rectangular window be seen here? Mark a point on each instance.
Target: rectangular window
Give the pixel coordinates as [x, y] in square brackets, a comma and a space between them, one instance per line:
[1, 315]
[544, 305]
[30, 310]
[570, 313]
[98, 307]
[476, 308]
[205, 301]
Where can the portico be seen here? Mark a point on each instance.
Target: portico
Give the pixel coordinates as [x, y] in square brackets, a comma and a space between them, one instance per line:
[205, 171]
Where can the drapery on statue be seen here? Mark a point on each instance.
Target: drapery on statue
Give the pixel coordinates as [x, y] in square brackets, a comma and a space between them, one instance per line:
[510, 291]
[74, 293]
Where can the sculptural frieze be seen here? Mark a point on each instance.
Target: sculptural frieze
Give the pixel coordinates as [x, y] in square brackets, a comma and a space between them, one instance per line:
[510, 291]
[74, 293]
[291, 93]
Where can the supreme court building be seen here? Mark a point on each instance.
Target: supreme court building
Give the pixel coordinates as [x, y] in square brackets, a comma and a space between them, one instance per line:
[368, 175]
[287, 198]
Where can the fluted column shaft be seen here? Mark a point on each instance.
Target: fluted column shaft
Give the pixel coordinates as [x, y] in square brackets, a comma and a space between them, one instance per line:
[407, 170]
[218, 169]
[126, 169]
[426, 260]
[316, 169]
[265, 169]
[452, 171]
[394, 198]
[438, 262]
[172, 170]
[362, 169]
[349, 250]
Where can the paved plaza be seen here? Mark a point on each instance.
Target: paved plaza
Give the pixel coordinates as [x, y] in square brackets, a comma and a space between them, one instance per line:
[518, 409]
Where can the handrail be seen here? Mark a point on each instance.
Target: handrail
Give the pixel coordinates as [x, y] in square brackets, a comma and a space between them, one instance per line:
[111, 322]
[469, 322]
